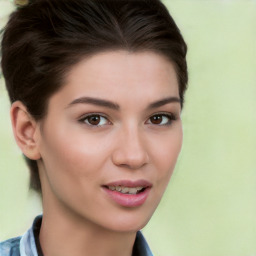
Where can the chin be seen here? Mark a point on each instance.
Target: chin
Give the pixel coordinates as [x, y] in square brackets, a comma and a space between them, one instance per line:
[132, 223]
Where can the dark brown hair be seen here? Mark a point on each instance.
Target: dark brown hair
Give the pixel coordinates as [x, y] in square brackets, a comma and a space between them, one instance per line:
[45, 38]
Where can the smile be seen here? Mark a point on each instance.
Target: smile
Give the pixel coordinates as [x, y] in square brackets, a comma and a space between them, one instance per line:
[128, 193]
[126, 190]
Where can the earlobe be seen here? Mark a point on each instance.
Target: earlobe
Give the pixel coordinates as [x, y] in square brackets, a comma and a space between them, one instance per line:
[25, 130]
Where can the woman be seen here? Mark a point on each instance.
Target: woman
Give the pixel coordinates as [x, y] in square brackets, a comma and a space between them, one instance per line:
[97, 88]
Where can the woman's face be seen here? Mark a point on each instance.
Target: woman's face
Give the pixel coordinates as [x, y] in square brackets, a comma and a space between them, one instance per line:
[110, 140]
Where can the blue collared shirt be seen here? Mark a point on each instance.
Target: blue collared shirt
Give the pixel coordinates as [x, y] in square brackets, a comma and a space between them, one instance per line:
[26, 245]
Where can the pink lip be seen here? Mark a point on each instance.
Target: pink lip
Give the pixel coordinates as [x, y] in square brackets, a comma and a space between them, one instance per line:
[129, 200]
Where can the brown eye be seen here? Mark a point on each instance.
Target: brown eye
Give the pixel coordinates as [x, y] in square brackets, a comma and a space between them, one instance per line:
[161, 119]
[95, 120]
[156, 119]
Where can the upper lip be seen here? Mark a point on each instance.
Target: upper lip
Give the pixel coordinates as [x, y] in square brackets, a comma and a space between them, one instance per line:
[130, 183]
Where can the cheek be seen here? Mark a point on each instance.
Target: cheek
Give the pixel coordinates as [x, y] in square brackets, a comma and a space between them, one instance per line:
[68, 155]
[72, 166]
[165, 156]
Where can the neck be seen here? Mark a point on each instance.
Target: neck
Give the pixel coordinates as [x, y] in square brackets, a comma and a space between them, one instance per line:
[62, 235]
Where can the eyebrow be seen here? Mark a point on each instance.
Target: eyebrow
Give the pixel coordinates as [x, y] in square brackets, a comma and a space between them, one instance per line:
[163, 102]
[115, 106]
[97, 102]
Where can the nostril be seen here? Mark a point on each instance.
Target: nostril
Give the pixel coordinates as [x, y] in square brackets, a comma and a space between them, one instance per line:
[131, 149]
[131, 160]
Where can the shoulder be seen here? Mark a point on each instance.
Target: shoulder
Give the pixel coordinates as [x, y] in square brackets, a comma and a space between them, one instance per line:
[10, 247]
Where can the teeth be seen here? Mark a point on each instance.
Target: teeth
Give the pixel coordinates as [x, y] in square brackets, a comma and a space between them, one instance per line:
[126, 190]
[133, 191]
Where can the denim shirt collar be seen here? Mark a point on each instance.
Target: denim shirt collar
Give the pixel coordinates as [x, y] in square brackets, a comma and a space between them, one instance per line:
[28, 243]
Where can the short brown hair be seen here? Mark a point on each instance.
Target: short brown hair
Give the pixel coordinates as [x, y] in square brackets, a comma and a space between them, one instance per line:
[45, 38]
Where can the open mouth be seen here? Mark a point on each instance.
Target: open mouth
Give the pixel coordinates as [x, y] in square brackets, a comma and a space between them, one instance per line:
[128, 193]
[126, 190]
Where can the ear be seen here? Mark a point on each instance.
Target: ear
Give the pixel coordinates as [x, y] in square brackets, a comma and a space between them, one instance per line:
[26, 130]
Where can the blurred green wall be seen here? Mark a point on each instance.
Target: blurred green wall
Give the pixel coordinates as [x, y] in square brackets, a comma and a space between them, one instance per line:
[209, 208]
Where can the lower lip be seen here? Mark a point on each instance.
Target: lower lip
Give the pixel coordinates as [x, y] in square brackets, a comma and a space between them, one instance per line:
[128, 200]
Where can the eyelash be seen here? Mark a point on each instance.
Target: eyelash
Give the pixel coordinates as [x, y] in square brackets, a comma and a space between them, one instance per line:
[171, 117]
[86, 117]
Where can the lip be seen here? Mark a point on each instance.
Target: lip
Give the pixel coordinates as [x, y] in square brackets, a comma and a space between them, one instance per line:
[129, 200]
[130, 183]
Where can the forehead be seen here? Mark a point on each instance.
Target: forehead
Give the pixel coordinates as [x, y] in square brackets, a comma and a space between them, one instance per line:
[121, 75]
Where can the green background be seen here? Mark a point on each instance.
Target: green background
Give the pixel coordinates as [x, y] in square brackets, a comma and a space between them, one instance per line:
[209, 208]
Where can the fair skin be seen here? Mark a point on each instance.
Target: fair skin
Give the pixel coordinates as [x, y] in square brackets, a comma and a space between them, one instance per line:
[134, 138]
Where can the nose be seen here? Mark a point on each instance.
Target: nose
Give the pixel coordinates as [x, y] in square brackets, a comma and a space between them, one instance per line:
[131, 150]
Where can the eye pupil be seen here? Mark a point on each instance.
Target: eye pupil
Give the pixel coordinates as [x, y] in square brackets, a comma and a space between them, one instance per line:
[156, 119]
[94, 120]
